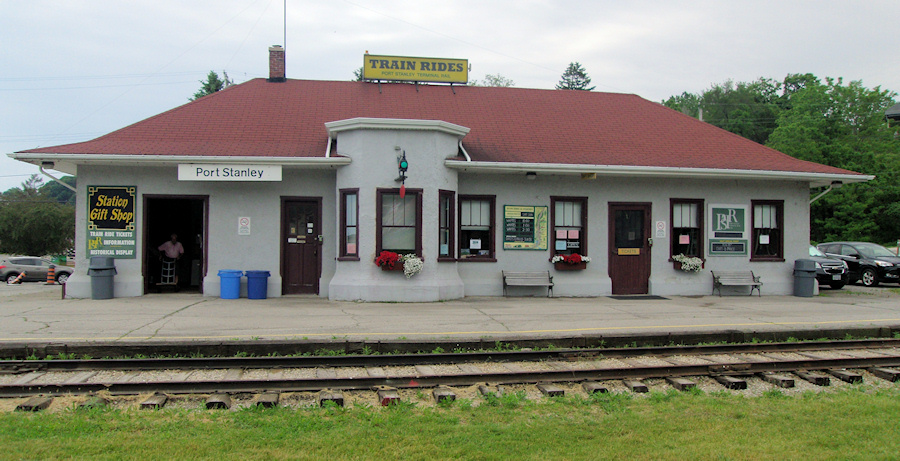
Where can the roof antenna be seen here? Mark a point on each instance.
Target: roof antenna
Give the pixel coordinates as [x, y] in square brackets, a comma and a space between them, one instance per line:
[284, 27]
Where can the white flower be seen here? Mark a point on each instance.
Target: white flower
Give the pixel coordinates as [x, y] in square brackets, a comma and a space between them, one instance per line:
[689, 263]
[412, 264]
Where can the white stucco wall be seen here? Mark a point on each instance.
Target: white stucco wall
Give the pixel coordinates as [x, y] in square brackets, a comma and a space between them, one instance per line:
[261, 201]
[484, 278]
[374, 165]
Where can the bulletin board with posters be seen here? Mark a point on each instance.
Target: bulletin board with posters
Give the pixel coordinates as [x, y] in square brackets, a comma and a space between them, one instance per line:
[525, 227]
[110, 223]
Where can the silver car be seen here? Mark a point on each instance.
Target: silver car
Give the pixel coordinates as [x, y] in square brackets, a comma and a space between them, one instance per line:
[35, 269]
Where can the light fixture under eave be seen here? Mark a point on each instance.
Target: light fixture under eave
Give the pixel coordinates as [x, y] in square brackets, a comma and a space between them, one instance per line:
[530, 175]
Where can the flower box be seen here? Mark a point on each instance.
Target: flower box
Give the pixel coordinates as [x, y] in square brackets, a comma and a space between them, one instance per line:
[679, 267]
[564, 266]
[397, 268]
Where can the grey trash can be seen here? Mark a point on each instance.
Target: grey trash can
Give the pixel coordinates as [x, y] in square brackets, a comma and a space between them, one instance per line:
[804, 278]
[102, 270]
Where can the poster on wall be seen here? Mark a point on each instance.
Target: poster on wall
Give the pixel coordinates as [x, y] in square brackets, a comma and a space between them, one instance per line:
[110, 223]
[728, 229]
[525, 227]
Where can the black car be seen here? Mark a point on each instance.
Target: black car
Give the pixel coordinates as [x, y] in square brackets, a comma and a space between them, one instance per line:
[829, 271]
[870, 263]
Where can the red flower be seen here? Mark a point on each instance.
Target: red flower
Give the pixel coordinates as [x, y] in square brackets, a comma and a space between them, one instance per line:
[572, 259]
[387, 259]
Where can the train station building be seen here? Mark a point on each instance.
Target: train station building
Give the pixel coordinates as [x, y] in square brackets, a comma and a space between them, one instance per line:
[302, 179]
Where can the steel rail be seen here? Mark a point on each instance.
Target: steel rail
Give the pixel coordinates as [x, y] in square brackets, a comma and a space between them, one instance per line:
[427, 381]
[22, 366]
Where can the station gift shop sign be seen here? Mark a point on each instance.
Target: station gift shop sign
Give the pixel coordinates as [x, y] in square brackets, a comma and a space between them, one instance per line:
[110, 224]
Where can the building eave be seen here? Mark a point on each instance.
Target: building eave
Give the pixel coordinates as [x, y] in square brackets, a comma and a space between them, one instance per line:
[814, 179]
[366, 123]
[67, 163]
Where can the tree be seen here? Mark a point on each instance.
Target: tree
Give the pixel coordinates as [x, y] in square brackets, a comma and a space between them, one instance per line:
[830, 123]
[212, 84]
[59, 192]
[844, 126]
[358, 75]
[34, 223]
[748, 109]
[494, 80]
[575, 78]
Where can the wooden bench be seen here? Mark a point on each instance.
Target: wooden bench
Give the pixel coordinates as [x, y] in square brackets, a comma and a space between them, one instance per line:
[528, 279]
[736, 278]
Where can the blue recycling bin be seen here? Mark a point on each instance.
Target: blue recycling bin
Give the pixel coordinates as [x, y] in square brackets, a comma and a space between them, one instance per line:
[230, 283]
[257, 284]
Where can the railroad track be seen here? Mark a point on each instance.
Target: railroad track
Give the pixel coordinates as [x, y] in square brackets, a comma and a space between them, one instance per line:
[730, 365]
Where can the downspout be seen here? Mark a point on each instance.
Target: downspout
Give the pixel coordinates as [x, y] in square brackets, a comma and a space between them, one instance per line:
[50, 165]
[328, 149]
[833, 185]
[463, 149]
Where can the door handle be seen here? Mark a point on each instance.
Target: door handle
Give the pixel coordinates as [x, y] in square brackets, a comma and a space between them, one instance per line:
[650, 242]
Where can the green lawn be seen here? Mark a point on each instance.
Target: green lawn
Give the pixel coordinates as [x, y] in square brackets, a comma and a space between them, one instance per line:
[856, 423]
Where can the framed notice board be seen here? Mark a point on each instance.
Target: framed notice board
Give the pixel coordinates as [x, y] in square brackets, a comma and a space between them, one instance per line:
[111, 221]
[728, 229]
[525, 227]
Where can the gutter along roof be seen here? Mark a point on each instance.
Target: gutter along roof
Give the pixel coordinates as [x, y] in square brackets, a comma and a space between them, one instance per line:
[511, 129]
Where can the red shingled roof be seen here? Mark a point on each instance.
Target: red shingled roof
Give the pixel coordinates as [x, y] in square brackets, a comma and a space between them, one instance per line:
[261, 118]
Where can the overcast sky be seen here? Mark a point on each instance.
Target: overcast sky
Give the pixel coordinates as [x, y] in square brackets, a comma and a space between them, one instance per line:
[73, 70]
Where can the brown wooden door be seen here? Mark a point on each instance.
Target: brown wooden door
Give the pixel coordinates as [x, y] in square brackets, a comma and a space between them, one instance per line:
[301, 245]
[629, 243]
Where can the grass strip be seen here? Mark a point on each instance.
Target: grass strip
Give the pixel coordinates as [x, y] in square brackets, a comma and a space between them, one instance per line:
[856, 423]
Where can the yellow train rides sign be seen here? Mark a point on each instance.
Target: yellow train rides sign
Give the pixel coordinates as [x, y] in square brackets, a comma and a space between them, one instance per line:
[401, 68]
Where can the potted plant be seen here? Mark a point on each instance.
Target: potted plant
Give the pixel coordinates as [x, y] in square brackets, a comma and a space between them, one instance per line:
[687, 263]
[572, 262]
[389, 261]
[410, 264]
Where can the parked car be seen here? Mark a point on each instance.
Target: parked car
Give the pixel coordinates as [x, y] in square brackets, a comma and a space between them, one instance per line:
[35, 269]
[829, 271]
[869, 263]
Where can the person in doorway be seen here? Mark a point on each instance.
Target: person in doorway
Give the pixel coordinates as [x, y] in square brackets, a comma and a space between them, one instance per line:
[172, 250]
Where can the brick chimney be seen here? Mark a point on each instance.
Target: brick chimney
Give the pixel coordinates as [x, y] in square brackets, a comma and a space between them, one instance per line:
[276, 63]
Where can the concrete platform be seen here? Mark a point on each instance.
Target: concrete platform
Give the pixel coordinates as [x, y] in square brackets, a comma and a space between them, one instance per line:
[35, 313]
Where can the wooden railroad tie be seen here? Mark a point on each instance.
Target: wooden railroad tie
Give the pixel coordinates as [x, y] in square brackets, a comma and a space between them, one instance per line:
[778, 380]
[886, 374]
[326, 396]
[815, 378]
[218, 401]
[34, 404]
[387, 396]
[592, 387]
[681, 384]
[636, 386]
[551, 390]
[443, 394]
[730, 382]
[268, 400]
[94, 402]
[155, 402]
[847, 376]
